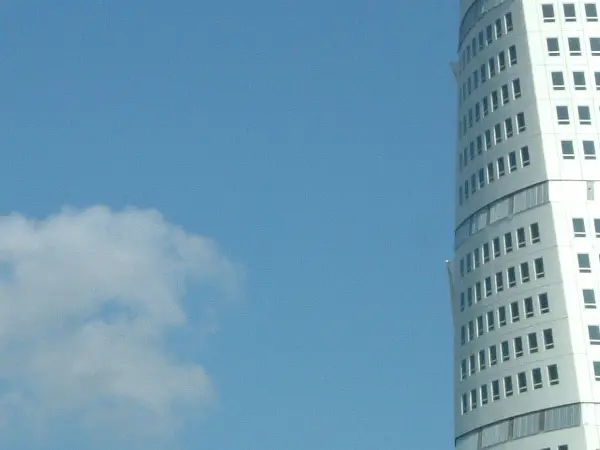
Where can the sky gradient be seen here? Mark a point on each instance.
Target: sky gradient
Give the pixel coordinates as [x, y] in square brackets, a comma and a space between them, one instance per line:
[311, 142]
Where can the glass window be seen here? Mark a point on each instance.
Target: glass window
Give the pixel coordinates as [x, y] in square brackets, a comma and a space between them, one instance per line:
[512, 54]
[501, 61]
[495, 390]
[488, 286]
[589, 299]
[484, 394]
[591, 12]
[481, 359]
[491, 323]
[553, 374]
[464, 408]
[505, 351]
[536, 375]
[528, 306]
[579, 81]
[512, 156]
[493, 355]
[548, 12]
[552, 45]
[534, 229]
[585, 117]
[490, 172]
[539, 267]
[562, 114]
[486, 252]
[521, 126]
[479, 325]
[569, 11]
[533, 342]
[574, 46]
[498, 28]
[473, 399]
[508, 243]
[597, 370]
[525, 272]
[514, 311]
[508, 20]
[518, 347]
[579, 227]
[502, 316]
[583, 261]
[522, 382]
[501, 167]
[548, 339]
[525, 161]
[597, 80]
[595, 46]
[472, 364]
[597, 227]
[508, 386]
[504, 94]
[492, 67]
[544, 303]
[589, 150]
[516, 84]
[499, 282]
[558, 81]
[496, 247]
[521, 240]
[594, 334]
[512, 277]
[568, 151]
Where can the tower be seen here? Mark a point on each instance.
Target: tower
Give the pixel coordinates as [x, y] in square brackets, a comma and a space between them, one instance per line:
[525, 277]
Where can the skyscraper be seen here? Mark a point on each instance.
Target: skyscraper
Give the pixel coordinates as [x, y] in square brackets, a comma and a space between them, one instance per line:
[526, 272]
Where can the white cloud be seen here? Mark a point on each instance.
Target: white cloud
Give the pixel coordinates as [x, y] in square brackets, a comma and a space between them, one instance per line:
[87, 299]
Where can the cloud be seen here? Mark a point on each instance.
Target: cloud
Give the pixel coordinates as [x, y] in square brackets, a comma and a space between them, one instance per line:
[88, 300]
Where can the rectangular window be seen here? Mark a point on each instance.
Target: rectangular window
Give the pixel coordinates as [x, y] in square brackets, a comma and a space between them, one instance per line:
[585, 116]
[514, 311]
[534, 230]
[525, 161]
[597, 370]
[512, 55]
[473, 399]
[594, 334]
[501, 167]
[484, 394]
[552, 46]
[491, 323]
[462, 301]
[521, 126]
[591, 12]
[579, 227]
[548, 339]
[505, 351]
[562, 115]
[597, 80]
[569, 11]
[516, 85]
[463, 369]
[512, 277]
[518, 347]
[589, 299]
[480, 40]
[488, 286]
[464, 408]
[558, 81]
[499, 282]
[470, 296]
[553, 374]
[501, 61]
[522, 382]
[583, 261]
[483, 73]
[481, 359]
[493, 355]
[579, 81]
[533, 342]
[512, 156]
[536, 375]
[479, 142]
[502, 316]
[508, 243]
[508, 20]
[544, 303]
[521, 240]
[496, 247]
[525, 272]
[495, 101]
[486, 252]
[497, 133]
[469, 260]
[479, 325]
[498, 28]
[595, 46]
[528, 306]
[492, 67]
[548, 12]
[539, 267]
[495, 390]
[489, 37]
[473, 184]
[597, 227]
[589, 150]
[478, 292]
[504, 94]
[508, 386]
[477, 112]
[574, 46]
[490, 172]
[477, 257]
[488, 139]
[472, 365]
[568, 151]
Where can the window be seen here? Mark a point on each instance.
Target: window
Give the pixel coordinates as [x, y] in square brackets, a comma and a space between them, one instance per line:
[521, 241]
[472, 364]
[462, 301]
[585, 117]
[569, 11]
[597, 80]
[498, 28]
[481, 359]
[477, 292]
[553, 374]
[528, 306]
[594, 334]
[595, 46]
[544, 304]
[508, 386]
[464, 405]
[480, 40]
[486, 252]
[479, 325]
[574, 46]
[521, 122]
[558, 81]
[489, 37]
[497, 133]
[579, 227]
[579, 81]
[473, 184]
[469, 260]
[477, 112]
[488, 286]
[492, 67]
[512, 54]
[539, 267]
[501, 167]
[548, 339]
[525, 156]
[562, 114]
[508, 243]
[488, 139]
[583, 261]
[525, 272]
[548, 12]
[493, 355]
[484, 394]
[490, 172]
[470, 296]
[514, 311]
[495, 390]
[477, 257]
[496, 247]
[463, 335]
[508, 20]
[516, 85]
[501, 61]
[591, 12]
[589, 299]
[536, 375]
[463, 369]
[533, 342]
[534, 230]
[518, 347]
[483, 73]
[502, 316]
[495, 102]
[504, 94]
[568, 152]
[499, 282]
[597, 227]
[522, 382]
[589, 150]
[597, 370]
[512, 156]
[473, 399]
[552, 45]
[512, 277]
[490, 320]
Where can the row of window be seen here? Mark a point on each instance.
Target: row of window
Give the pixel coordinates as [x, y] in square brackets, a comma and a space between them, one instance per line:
[584, 115]
[486, 37]
[498, 246]
[488, 104]
[569, 12]
[504, 315]
[508, 349]
[574, 46]
[488, 70]
[492, 391]
[578, 79]
[579, 227]
[560, 447]
[493, 170]
[587, 149]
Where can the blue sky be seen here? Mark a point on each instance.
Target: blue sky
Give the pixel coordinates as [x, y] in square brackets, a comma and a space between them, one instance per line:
[313, 142]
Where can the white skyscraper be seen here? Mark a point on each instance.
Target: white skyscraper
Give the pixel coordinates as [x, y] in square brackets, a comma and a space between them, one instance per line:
[526, 272]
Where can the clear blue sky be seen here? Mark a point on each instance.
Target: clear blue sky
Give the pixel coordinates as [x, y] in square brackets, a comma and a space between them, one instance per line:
[314, 142]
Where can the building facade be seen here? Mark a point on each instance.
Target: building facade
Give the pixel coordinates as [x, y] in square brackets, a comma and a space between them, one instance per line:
[526, 272]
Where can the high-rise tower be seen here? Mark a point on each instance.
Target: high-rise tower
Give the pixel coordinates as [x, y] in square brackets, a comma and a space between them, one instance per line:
[526, 272]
